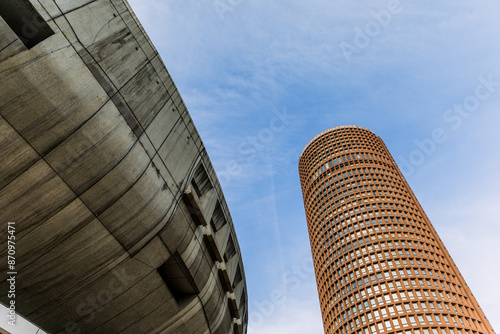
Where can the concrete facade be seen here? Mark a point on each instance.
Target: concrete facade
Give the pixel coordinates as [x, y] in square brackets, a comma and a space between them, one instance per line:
[380, 265]
[121, 223]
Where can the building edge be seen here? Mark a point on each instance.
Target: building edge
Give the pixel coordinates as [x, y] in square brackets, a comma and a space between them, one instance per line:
[114, 148]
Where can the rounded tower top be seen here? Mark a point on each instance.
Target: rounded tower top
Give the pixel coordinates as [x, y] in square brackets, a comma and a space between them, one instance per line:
[331, 130]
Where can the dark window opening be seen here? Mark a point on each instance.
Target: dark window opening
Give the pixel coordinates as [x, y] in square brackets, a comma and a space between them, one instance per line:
[178, 279]
[237, 277]
[212, 223]
[243, 300]
[25, 21]
[230, 249]
[201, 182]
[218, 218]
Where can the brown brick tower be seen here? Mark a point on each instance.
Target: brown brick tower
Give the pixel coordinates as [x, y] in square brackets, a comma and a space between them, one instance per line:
[380, 265]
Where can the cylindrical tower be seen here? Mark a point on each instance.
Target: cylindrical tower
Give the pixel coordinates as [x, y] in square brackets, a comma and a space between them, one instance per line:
[380, 265]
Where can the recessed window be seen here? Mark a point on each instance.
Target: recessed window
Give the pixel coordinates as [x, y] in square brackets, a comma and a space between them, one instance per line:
[201, 182]
[238, 277]
[178, 279]
[230, 250]
[218, 218]
[25, 21]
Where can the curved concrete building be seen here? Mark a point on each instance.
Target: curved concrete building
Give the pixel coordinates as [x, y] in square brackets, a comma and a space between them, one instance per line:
[380, 265]
[120, 222]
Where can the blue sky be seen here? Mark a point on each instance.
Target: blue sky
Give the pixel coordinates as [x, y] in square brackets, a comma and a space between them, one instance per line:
[261, 78]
